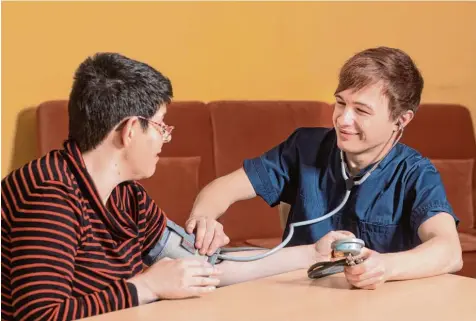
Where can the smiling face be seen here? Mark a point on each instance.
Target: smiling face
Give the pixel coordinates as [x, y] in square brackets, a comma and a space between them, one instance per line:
[362, 119]
[379, 91]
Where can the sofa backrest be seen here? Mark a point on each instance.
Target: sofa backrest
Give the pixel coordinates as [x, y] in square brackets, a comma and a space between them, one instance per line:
[52, 125]
[211, 140]
[246, 129]
[442, 131]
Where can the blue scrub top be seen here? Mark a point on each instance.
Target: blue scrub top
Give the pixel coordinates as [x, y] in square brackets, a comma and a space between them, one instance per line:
[385, 211]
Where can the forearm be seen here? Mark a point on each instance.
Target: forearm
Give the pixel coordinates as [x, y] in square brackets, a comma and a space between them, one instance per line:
[215, 198]
[285, 260]
[436, 256]
[212, 201]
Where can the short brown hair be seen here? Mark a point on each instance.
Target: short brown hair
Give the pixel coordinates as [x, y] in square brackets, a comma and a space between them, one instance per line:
[402, 81]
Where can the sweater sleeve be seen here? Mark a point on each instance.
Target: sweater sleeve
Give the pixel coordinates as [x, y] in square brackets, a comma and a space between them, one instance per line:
[41, 223]
[155, 221]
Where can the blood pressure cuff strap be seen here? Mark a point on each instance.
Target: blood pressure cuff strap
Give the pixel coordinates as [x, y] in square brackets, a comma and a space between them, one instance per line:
[176, 243]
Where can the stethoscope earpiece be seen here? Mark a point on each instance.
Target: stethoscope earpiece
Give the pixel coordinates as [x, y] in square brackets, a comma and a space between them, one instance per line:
[400, 127]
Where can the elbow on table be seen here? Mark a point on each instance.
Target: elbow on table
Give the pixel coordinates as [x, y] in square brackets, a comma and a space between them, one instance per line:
[456, 260]
[457, 263]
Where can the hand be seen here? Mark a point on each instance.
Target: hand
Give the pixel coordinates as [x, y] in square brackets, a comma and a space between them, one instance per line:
[323, 246]
[176, 279]
[369, 274]
[209, 236]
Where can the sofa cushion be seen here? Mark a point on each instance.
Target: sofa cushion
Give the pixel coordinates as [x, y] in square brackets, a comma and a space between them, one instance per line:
[468, 241]
[469, 265]
[174, 186]
[52, 124]
[267, 243]
[192, 136]
[457, 177]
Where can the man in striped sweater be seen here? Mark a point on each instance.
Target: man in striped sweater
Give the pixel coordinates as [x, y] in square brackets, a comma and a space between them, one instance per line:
[76, 224]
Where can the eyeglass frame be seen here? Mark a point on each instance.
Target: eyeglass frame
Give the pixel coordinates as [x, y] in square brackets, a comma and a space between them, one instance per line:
[164, 130]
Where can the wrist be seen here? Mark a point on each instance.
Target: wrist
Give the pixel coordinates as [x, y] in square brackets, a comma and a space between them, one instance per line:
[313, 255]
[144, 294]
[196, 215]
[391, 272]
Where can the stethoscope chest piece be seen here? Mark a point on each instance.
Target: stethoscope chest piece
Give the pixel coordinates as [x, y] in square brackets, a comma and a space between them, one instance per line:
[344, 247]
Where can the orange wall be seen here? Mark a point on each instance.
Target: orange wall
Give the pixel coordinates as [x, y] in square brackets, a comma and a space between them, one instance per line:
[225, 50]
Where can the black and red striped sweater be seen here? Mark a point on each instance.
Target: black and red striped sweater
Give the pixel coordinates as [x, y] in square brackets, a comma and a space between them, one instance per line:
[64, 254]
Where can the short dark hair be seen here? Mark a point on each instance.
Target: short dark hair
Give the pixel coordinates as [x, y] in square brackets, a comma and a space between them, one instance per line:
[402, 81]
[108, 88]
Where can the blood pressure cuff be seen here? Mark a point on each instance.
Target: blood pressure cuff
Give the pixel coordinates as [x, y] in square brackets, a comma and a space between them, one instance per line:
[176, 243]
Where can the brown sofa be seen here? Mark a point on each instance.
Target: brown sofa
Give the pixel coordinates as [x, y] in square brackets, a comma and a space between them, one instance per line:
[212, 139]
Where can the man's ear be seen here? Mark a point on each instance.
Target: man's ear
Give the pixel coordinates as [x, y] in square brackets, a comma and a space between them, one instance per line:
[127, 131]
[403, 120]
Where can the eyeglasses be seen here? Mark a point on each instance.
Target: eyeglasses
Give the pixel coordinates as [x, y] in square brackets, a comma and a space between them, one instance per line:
[164, 130]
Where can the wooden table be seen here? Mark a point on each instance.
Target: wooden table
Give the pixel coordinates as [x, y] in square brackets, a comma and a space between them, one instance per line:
[292, 296]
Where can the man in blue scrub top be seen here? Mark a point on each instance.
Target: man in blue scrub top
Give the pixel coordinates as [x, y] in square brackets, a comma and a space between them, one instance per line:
[399, 210]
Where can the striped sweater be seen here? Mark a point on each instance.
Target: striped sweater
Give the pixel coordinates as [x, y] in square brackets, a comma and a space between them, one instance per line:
[64, 254]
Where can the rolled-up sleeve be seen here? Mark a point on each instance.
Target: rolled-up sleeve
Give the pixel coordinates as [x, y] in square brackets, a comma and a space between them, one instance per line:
[428, 195]
[274, 174]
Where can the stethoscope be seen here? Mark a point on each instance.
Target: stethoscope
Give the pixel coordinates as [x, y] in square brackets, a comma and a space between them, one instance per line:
[350, 182]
